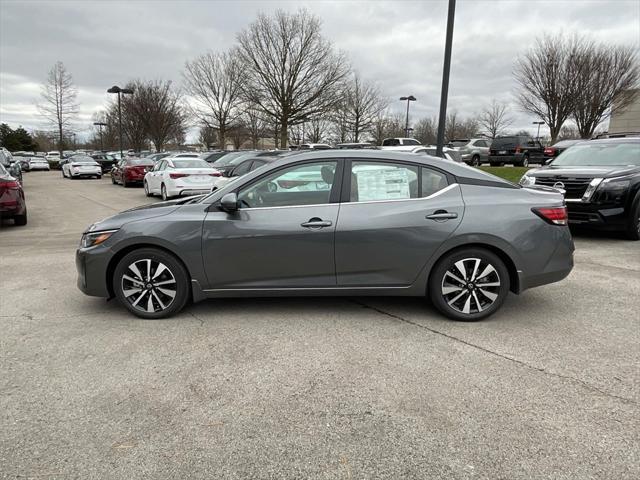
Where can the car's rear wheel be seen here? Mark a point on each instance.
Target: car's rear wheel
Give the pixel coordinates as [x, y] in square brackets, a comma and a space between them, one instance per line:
[469, 284]
[475, 161]
[633, 230]
[524, 162]
[125, 184]
[151, 283]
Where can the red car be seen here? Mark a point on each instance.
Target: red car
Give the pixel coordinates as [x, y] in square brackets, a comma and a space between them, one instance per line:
[130, 171]
[12, 203]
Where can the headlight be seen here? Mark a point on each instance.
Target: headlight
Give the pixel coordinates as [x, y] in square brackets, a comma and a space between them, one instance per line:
[527, 180]
[612, 190]
[91, 239]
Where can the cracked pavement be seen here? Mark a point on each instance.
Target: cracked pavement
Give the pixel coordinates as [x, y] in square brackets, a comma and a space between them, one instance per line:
[309, 388]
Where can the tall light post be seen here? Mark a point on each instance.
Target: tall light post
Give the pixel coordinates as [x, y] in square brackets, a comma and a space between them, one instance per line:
[119, 91]
[444, 94]
[409, 99]
[538, 123]
[100, 125]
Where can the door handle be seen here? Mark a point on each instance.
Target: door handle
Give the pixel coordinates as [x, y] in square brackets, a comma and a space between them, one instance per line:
[316, 223]
[441, 215]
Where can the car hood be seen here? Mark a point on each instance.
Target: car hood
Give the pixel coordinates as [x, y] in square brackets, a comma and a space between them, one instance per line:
[136, 214]
[591, 172]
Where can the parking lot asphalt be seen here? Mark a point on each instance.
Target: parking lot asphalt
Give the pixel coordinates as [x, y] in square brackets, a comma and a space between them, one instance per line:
[309, 388]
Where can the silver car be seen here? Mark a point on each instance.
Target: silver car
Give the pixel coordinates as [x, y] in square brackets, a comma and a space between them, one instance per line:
[473, 151]
[335, 222]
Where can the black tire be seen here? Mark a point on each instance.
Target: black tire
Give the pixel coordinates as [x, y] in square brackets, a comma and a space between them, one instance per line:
[633, 230]
[524, 162]
[163, 193]
[174, 270]
[124, 182]
[99, 177]
[20, 220]
[146, 190]
[481, 302]
[475, 161]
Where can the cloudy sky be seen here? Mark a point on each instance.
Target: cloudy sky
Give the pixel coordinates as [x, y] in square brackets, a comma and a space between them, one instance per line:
[395, 43]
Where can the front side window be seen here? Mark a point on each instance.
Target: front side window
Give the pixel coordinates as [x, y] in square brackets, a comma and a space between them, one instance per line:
[378, 181]
[305, 184]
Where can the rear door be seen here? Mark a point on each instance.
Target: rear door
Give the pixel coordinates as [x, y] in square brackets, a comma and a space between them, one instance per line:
[392, 219]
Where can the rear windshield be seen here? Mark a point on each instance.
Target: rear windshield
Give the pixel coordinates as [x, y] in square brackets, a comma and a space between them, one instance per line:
[139, 161]
[600, 154]
[505, 142]
[390, 142]
[82, 159]
[190, 163]
[459, 143]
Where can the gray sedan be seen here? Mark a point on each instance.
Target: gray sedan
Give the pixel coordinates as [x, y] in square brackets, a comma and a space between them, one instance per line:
[335, 222]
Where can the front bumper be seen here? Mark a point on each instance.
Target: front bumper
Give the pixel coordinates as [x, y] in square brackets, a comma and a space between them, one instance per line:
[91, 265]
[604, 217]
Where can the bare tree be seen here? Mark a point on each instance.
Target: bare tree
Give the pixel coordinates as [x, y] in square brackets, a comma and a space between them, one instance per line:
[608, 79]
[340, 122]
[494, 119]
[213, 81]
[460, 128]
[363, 104]
[254, 123]
[159, 109]
[207, 136]
[568, 132]
[289, 70]
[59, 101]
[426, 130]
[318, 127]
[547, 78]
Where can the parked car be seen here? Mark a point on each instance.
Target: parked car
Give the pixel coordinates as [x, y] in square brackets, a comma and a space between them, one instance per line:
[449, 153]
[38, 163]
[242, 168]
[53, 158]
[105, 161]
[473, 151]
[601, 179]
[368, 223]
[559, 147]
[12, 201]
[154, 157]
[11, 165]
[518, 150]
[186, 155]
[229, 161]
[81, 166]
[179, 176]
[131, 171]
[400, 142]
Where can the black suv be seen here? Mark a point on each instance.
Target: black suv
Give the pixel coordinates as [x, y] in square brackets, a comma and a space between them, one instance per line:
[518, 150]
[601, 180]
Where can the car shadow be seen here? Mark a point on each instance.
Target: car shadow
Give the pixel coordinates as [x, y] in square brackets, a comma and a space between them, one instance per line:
[588, 233]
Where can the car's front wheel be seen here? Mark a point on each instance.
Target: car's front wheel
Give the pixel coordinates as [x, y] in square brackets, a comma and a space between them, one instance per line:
[151, 283]
[163, 193]
[633, 230]
[147, 192]
[469, 284]
[475, 161]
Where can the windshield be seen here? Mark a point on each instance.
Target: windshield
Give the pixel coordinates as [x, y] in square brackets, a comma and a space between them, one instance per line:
[600, 155]
[190, 163]
[139, 161]
[226, 160]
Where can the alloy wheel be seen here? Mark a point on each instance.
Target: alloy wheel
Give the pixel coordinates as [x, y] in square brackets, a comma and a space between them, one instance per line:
[149, 285]
[470, 285]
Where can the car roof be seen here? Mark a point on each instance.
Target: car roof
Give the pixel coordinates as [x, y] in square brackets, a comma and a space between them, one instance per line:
[457, 169]
[614, 140]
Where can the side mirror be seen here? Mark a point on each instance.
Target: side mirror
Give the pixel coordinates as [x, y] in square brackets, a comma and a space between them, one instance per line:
[15, 169]
[229, 202]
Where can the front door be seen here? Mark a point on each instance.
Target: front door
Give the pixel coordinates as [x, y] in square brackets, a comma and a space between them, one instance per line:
[396, 218]
[282, 236]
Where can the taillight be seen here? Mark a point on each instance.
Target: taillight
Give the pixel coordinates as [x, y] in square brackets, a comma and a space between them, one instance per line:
[549, 151]
[178, 175]
[10, 185]
[552, 215]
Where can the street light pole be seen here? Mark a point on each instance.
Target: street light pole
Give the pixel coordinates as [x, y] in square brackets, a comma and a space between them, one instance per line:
[538, 123]
[410, 98]
[119, 91]
[445, 78]
[100, 125]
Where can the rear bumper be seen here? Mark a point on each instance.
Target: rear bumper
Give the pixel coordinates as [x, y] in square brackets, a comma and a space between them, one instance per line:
[506, 158]
[557, 267]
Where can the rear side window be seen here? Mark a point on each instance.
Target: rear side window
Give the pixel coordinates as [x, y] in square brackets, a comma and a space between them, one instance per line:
[432, 181]
[409, 141]
[378, 181]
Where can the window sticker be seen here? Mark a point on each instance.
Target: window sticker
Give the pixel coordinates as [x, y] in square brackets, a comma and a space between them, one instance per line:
[383, 184]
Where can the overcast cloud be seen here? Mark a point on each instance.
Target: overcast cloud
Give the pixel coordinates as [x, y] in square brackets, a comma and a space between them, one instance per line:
[398, 44]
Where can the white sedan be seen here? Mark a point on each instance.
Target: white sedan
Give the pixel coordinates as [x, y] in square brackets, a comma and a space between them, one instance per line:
[81, 166]
[38, 163]
[173, 177]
